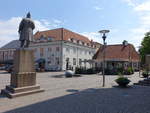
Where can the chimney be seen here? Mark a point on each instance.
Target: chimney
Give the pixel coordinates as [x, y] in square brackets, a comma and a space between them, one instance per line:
[125, 43]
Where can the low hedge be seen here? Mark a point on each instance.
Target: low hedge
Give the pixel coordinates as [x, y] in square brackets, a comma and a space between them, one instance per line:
[85, 71]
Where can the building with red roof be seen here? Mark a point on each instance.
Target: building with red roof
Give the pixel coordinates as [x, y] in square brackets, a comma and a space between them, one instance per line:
[119, 55]
[64, 34]
[57, 49]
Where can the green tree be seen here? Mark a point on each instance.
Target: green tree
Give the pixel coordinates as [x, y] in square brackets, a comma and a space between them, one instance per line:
[145, 47]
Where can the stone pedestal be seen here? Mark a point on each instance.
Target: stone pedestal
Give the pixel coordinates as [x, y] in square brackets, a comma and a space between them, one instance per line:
[23, 77]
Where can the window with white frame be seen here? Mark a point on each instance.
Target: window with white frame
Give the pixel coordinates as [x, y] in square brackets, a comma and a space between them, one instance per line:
[74, 61]
[67, 49]
[74, 50]
[57, 61]
[41, 52]
[49, 49]
[80, 61]
[57, 49]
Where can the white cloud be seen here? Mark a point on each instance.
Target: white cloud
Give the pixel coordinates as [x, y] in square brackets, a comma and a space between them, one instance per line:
[40, 26]
[139, 5]
[9, 28]
[97, 8]
[145, 21]
[145, 6]
[142, 9]
[130, 2]
[95, 36]
[139, 30]
[138, 33]
[57, 21]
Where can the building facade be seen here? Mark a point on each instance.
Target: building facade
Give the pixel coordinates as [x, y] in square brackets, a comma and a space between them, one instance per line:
[117, 56]
[58, 49]
[62, 55]
[7, 51]
[63, 49]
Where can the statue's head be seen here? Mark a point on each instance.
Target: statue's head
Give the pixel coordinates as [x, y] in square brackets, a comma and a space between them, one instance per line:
[28, 15]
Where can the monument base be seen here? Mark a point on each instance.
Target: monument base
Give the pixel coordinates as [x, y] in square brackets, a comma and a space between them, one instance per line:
[12, 92]
[23, 77]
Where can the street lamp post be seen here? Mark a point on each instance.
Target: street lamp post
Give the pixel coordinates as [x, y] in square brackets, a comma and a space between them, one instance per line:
[103, 32]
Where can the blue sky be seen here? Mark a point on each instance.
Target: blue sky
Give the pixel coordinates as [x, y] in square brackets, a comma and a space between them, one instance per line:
[126, 19]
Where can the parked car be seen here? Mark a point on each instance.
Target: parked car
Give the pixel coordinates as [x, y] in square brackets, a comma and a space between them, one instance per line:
[9, 68]
[2, 68]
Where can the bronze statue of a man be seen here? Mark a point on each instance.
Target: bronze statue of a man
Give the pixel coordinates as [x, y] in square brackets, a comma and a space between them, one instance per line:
[26, 31]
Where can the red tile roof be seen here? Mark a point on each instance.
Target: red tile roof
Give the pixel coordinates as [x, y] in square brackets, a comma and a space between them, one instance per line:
[117, 53]
[55, 33]
[61, 34]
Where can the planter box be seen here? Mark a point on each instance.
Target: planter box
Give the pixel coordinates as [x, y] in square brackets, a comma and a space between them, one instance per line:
[122, 81]
[123, 84]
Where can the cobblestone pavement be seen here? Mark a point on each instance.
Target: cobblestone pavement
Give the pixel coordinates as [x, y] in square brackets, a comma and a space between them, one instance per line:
[78, 95]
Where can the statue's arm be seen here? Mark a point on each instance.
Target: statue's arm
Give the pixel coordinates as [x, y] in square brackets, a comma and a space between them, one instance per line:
[20, 26]
[33, 26]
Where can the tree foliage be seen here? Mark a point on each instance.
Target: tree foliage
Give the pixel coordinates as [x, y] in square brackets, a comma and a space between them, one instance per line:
[145, 47]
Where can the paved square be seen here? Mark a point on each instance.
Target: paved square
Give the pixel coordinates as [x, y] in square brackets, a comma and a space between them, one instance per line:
[78, 95]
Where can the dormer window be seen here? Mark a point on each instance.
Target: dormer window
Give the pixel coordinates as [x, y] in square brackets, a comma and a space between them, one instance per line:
[75, 41]
[71, 39]
[42, 38]
[80, 42]
[50, 38]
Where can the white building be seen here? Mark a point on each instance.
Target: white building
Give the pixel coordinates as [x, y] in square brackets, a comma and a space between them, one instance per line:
[60, 49]
[7, 51]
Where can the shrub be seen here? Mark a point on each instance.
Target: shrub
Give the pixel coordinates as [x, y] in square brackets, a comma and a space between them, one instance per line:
[90, 71]
[84, 71]
[107, 71]
[129, 71]
[80, 70]
[122, 81]
[111, 71]
[97, 69]
[120, 70]
[145, 74]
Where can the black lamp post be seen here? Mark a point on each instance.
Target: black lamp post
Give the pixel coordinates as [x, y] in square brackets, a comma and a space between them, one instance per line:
[103, 32]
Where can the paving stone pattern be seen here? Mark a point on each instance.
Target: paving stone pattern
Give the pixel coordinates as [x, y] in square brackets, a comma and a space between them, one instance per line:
[78, 95]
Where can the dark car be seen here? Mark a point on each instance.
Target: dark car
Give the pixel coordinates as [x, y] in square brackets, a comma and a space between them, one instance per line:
[2, 68]
[9, 68]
